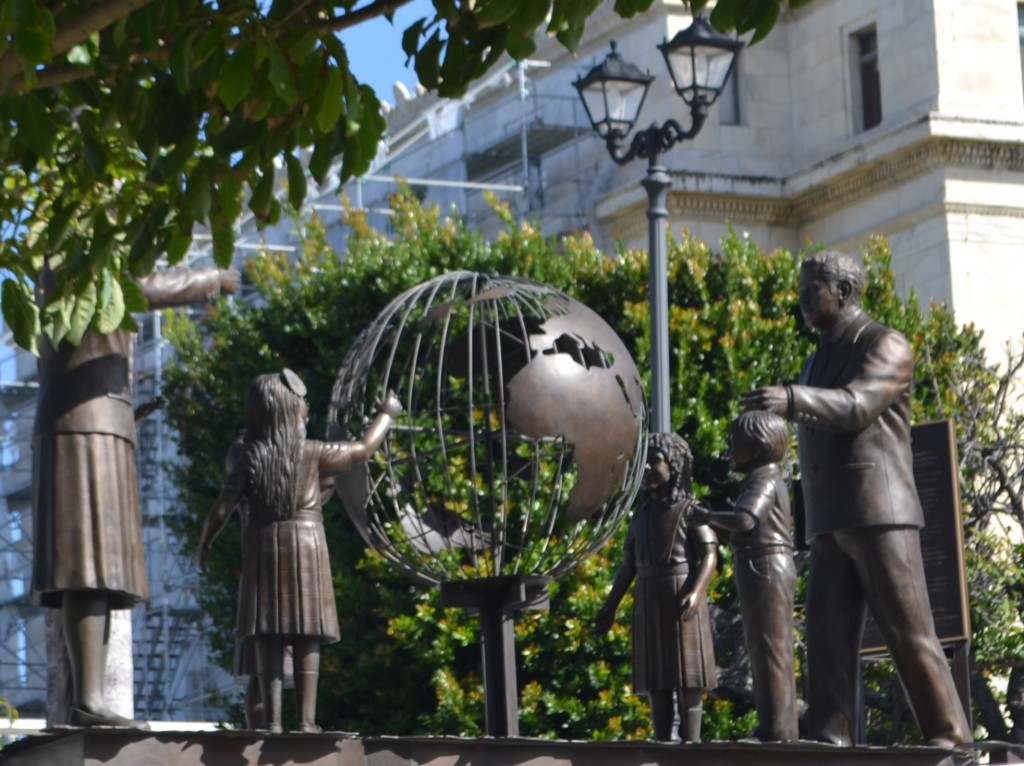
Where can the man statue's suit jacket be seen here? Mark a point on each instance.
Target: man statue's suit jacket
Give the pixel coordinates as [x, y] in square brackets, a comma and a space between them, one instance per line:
[852, 410]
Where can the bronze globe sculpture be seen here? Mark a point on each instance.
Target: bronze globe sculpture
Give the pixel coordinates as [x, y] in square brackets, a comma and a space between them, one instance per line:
[519, 450]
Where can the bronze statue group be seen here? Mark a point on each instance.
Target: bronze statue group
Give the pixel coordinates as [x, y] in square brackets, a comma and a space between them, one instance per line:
[851, 408]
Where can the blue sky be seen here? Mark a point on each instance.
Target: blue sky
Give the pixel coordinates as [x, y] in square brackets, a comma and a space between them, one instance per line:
[375, 49]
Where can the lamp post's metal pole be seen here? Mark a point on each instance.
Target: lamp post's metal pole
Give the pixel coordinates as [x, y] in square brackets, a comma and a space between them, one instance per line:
[620, 84]
[649, 144]
[657, 183]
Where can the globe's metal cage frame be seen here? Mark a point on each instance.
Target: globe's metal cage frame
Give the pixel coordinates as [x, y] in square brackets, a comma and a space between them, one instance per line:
[459, 496]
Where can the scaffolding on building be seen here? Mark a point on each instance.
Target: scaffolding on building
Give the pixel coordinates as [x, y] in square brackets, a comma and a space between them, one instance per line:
[22, 625]
[173, 678]
[512, 135]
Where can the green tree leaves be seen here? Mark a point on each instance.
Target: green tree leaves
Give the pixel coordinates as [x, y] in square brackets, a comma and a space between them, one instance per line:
[746, 15]
[33, 29]
[236, 77]
[138, 114]
[21, 314]
[36, 131]
[147, 124]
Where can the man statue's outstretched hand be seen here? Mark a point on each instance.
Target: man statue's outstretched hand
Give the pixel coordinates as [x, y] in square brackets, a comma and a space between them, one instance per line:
[230, 281]
[772, 398]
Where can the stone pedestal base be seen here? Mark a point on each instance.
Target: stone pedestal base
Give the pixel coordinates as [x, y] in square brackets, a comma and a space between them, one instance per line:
[120, 747]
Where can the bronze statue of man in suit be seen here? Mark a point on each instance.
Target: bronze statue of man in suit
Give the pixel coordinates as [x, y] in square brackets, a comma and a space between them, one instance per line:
[852, 410]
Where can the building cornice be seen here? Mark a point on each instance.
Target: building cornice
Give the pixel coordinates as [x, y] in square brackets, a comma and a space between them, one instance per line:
[895, 169]
[774, 202]
[985, 211]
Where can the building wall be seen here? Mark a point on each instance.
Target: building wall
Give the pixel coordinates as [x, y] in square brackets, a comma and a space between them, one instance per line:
[978, 63]
[939, 176]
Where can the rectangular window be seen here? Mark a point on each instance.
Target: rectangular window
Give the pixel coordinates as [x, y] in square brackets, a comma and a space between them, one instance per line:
[14, 526]
[1020, 33]
[729, 100]
[146, 328]
[21, 653]
[8, 365]
[867, 88]
[10, 451]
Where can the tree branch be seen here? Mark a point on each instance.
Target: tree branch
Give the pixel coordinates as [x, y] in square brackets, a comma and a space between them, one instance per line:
[988, 707]
[54, 76]
[293, 13]
[351, 19]
[72, 33]
[62, 74]
[1015, 703]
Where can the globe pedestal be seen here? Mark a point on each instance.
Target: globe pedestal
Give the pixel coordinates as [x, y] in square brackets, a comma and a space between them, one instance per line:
[495, 599]
[518, 453]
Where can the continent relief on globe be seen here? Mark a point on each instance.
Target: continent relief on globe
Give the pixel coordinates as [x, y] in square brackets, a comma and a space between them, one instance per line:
[578, 388]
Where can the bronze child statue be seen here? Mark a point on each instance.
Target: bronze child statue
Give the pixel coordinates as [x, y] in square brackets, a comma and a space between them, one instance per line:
[286, 591]
[672, 563]
[762, 548]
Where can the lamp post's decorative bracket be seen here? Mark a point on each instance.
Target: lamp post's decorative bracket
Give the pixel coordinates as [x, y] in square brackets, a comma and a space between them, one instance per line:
[648, 144]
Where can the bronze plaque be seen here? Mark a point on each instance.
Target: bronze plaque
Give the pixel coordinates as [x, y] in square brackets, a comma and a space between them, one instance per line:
[936, 475]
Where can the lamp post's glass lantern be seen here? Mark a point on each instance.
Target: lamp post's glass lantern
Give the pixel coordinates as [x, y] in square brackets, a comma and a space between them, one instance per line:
[700, 59]
[613, 94]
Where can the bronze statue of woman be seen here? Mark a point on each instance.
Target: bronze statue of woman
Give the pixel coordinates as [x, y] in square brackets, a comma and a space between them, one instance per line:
[87, 544]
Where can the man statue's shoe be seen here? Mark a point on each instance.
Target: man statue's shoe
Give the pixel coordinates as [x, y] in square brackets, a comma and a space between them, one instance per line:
[103, 717]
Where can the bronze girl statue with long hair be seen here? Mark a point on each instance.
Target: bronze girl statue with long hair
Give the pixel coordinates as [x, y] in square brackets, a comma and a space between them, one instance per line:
[286, 595]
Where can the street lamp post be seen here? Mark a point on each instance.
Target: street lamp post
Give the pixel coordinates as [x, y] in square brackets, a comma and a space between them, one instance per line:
[700, 60]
